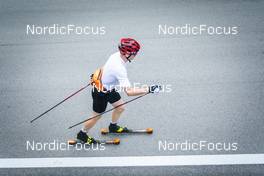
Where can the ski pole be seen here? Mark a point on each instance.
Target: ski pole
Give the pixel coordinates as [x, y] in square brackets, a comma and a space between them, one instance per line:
[60, 103]
[109, 110]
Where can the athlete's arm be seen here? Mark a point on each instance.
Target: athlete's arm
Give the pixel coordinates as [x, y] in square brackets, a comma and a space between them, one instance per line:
[140, 91]
[133, 91]
[136, 91]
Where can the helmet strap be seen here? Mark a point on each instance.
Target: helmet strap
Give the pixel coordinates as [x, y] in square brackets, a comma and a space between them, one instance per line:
[128, 58]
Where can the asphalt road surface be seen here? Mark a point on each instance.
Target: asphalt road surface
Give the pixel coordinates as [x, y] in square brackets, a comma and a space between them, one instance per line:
[216, 80]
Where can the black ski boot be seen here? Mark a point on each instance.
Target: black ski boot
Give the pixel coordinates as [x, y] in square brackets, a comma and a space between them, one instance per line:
[114, 128]
[84, 138]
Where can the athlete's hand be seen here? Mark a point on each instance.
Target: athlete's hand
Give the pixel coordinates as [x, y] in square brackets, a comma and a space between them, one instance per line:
[155, 89]
[91, 78]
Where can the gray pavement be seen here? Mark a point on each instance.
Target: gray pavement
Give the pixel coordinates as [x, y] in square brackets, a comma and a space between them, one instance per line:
[217, 81]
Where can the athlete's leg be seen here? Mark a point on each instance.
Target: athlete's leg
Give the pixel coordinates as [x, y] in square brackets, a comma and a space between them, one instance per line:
[90, 123]
[115, 99]
[118, 111]
[99, 106]
[82, 135]
[113, 127]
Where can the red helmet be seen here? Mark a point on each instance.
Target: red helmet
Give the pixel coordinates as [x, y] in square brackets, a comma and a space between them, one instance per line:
[128, 46]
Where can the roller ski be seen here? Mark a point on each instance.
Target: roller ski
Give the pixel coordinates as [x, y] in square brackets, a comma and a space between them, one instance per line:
[115, 129]
[83, 138]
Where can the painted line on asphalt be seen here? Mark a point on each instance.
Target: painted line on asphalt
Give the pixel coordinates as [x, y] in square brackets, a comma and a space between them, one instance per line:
[132, 161]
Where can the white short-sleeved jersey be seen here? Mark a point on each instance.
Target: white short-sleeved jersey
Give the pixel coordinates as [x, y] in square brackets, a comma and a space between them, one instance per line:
[115, 73]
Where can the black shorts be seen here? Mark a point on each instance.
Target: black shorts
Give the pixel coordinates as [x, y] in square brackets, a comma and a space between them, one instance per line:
[101, 99]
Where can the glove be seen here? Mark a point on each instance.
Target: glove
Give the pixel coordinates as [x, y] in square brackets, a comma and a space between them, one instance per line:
[155, 89]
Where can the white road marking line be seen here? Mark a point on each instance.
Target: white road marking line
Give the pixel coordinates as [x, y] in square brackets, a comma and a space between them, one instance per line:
[181, 160]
